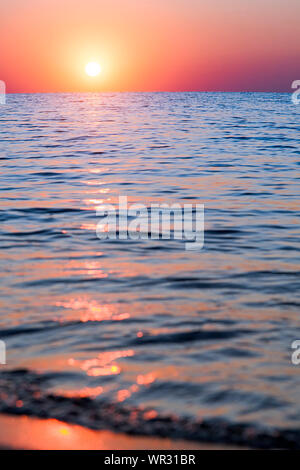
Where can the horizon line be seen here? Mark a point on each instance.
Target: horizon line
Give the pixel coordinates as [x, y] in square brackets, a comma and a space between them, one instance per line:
[143, 91]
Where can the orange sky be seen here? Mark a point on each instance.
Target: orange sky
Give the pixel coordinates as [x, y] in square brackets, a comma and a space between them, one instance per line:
[150, 45]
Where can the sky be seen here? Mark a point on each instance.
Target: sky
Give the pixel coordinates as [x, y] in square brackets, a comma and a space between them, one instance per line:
[149, 45]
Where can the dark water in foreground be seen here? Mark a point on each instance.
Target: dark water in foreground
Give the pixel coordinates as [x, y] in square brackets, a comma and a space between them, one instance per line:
[144, 336]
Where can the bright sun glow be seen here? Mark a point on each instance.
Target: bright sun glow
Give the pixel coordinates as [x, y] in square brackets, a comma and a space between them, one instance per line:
[92, 69]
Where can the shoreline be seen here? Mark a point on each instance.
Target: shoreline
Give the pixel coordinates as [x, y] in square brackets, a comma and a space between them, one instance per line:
[27, 433]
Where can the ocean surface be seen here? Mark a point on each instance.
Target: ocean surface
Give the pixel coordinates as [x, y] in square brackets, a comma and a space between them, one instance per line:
[143, 336]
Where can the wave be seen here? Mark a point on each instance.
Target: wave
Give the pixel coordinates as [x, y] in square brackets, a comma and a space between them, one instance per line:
[21, 393]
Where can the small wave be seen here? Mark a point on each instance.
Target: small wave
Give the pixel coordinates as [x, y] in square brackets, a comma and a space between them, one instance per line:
[22, 393]
[188, 336]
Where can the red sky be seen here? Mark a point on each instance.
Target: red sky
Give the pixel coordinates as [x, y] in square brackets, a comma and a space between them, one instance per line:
[150, 45]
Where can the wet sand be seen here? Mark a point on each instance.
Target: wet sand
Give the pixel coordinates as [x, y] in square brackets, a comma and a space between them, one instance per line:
[23, 432]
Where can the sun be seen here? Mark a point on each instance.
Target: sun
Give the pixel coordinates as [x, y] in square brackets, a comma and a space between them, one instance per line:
[92, 69]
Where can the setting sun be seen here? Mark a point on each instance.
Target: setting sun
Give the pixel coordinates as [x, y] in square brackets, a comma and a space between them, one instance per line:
[92, 69]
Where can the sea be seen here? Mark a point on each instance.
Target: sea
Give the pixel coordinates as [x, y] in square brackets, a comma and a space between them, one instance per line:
[143, 336]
